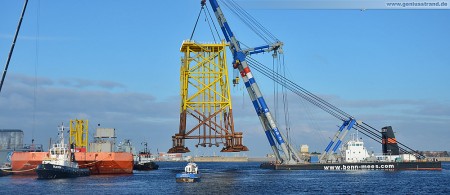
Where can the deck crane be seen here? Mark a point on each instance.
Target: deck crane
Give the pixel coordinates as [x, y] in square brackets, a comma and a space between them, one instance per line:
[268, 122]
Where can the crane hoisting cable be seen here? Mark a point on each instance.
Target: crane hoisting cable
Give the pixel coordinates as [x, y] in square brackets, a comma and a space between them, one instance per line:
[196, 22]
[362, 127]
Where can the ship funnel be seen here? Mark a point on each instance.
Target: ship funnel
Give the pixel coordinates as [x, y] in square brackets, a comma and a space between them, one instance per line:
[388, 141]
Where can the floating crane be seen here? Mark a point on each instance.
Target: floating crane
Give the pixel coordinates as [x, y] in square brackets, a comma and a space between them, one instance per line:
[242, 61]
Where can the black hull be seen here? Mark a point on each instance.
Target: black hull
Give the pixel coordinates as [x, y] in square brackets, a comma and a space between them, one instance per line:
[357, 166]
[145, 166]
[49, 171]
[5, 172]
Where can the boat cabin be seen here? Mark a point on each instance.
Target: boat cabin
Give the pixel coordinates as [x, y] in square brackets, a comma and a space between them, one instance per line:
[354, 151]
[191, 168]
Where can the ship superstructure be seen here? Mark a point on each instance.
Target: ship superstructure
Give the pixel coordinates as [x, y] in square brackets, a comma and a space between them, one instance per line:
[354, 151]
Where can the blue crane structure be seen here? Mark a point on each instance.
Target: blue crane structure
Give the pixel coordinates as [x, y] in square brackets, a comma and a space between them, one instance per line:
[242, 61]
[274, 135]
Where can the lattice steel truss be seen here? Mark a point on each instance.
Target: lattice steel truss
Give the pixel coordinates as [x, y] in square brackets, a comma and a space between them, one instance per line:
[205, 100]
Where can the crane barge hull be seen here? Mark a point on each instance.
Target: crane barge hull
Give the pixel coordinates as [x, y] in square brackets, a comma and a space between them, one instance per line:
[25, 163]
[394, 166]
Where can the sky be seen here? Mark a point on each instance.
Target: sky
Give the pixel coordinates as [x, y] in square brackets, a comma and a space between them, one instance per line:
[116, 63]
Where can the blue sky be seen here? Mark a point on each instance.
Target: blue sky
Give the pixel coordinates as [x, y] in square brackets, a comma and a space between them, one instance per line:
[117, 63]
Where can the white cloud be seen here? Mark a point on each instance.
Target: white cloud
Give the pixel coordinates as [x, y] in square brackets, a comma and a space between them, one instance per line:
[83, 83]
[141, 117]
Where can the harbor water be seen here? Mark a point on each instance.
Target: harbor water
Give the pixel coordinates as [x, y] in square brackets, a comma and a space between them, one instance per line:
[238, 178]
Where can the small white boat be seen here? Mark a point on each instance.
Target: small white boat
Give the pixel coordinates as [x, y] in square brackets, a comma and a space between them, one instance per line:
[190, 174]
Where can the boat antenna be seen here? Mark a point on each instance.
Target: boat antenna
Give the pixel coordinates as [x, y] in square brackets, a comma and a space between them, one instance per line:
[357, 137]
[61, 134]
[13, 44]
[145, 146]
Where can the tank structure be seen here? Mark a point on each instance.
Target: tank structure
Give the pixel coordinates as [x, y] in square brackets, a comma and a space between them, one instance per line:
[206, 112]
[12, 140]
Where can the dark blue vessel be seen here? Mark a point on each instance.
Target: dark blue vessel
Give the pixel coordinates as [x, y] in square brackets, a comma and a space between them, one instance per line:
[51, 171]
[144, 160]
[61, 162]
[355, 157]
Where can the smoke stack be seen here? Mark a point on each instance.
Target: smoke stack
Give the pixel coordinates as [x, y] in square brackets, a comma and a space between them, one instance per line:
[388, 141]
